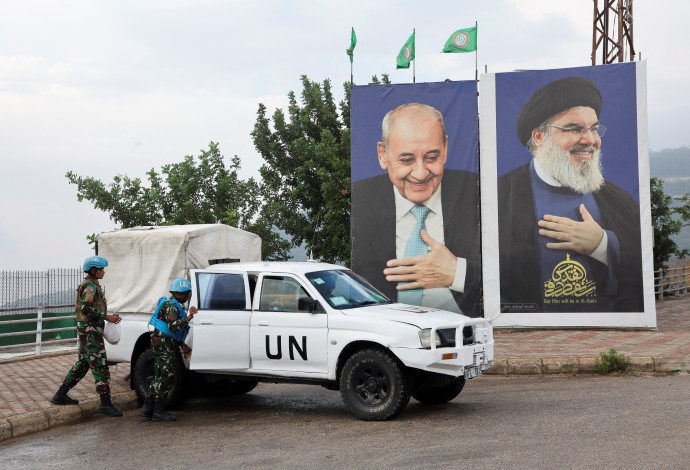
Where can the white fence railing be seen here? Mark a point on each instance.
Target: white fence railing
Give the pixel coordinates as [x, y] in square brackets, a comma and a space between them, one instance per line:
[39, 320]
[671, 281]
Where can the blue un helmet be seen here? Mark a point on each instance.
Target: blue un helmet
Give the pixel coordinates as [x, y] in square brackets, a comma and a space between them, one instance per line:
[180, 285]
[97, 262]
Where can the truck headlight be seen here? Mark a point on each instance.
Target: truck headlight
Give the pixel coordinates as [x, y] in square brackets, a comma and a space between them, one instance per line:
[424, 337]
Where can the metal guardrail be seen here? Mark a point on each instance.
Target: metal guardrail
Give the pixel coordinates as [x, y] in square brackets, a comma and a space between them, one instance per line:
[671, 282]
[39, 320]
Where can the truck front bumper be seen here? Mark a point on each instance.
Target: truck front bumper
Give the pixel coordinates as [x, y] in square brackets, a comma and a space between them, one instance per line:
[466, 360]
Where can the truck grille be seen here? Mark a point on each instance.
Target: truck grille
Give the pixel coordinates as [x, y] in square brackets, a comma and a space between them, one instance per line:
[448, 336]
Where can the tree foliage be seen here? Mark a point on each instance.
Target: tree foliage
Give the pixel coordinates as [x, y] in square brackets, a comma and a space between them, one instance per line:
[385, 80]
[669, 215]
[307, 171]
[199, 190]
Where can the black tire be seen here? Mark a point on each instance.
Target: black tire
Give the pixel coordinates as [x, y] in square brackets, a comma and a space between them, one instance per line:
[374, 385]
[440, 394]
[143, 376]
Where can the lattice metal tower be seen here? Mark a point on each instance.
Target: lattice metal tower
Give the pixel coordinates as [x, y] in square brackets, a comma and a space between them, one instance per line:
[613, 31]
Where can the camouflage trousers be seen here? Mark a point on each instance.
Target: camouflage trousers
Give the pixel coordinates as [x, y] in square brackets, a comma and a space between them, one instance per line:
[91, 356]
[164, 349]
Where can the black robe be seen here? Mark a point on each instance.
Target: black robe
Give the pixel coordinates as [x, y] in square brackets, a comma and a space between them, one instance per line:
[520, 266]
[373, 232]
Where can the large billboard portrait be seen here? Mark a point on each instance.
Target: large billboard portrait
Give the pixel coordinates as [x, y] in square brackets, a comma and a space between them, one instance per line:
[415, 193]
[565, 193]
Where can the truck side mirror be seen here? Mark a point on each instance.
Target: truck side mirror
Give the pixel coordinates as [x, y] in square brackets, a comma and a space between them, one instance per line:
[305, 304]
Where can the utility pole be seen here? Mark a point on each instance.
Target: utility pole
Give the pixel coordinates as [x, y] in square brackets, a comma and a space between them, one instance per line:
[613, 31]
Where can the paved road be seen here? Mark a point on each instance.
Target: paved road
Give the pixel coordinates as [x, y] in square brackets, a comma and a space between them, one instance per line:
[496, 422]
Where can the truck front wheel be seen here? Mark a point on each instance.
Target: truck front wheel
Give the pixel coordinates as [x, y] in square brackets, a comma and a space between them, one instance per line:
[143, 376]
[374, 385]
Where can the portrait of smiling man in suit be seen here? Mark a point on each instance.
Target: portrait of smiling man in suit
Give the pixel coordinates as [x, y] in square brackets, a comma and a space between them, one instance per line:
[416, 227]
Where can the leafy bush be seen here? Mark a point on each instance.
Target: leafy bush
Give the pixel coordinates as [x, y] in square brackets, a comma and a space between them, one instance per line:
[612, 361]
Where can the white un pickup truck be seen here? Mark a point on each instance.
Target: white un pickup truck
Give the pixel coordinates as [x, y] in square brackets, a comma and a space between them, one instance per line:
[315, 323]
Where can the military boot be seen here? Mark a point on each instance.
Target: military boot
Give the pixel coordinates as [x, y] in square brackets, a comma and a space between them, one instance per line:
[147, 409]
[159, 413]
[107, 407]
[61, 397]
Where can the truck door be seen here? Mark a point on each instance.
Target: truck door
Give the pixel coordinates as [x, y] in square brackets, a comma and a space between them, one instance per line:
[283, 337]
[220, 329]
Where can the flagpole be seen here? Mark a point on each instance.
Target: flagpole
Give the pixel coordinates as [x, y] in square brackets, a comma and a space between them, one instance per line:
[351, 52]
[413, 75]
[476, 72]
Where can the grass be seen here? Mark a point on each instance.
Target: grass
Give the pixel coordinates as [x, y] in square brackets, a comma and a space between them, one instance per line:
[612, 361]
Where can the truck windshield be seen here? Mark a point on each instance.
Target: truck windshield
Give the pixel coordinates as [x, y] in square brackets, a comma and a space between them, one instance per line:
[345, 289]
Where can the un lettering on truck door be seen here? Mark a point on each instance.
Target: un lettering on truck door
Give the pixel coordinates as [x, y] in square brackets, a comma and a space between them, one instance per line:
[294, 348]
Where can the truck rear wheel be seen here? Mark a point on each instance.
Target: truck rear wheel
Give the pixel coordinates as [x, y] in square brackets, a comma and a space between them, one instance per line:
[374, 385]
[143, 376]
[440, 394]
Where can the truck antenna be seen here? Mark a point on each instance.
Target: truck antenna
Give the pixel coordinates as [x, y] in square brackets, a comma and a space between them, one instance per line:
[311, 248]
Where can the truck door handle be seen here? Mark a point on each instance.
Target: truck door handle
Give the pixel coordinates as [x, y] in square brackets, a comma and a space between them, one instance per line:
[206, 322]
[263, 323]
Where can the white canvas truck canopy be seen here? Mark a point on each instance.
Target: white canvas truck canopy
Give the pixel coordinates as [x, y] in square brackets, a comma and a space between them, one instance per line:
[143, 261]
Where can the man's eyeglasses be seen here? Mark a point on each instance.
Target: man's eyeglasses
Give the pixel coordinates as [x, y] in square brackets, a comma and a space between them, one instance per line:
[580, 131]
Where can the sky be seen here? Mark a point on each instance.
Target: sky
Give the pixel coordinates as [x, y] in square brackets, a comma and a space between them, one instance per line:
[118, 87]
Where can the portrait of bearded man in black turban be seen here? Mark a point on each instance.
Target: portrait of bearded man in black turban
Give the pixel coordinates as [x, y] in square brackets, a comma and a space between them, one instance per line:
[569, 240]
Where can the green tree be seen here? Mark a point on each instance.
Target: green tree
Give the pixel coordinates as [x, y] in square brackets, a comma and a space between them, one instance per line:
[307, 171]
[385, 80]
[669, 216]
[199, 190]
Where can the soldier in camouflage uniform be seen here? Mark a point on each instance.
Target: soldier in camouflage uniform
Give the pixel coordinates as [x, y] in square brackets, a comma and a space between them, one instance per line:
[91, 310]
[171, 325]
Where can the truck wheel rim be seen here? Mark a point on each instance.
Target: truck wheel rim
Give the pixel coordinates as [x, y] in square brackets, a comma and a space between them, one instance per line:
[371, 384]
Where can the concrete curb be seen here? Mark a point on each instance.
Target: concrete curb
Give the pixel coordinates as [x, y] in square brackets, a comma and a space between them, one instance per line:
[35, 421]
[583, 365]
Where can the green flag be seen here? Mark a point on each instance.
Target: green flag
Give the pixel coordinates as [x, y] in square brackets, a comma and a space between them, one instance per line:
[463, 40]
[406, 54]
[353, 43]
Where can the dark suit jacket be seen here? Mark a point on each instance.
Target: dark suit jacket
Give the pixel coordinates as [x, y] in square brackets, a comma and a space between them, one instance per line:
[373, 231]
[519, 261]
